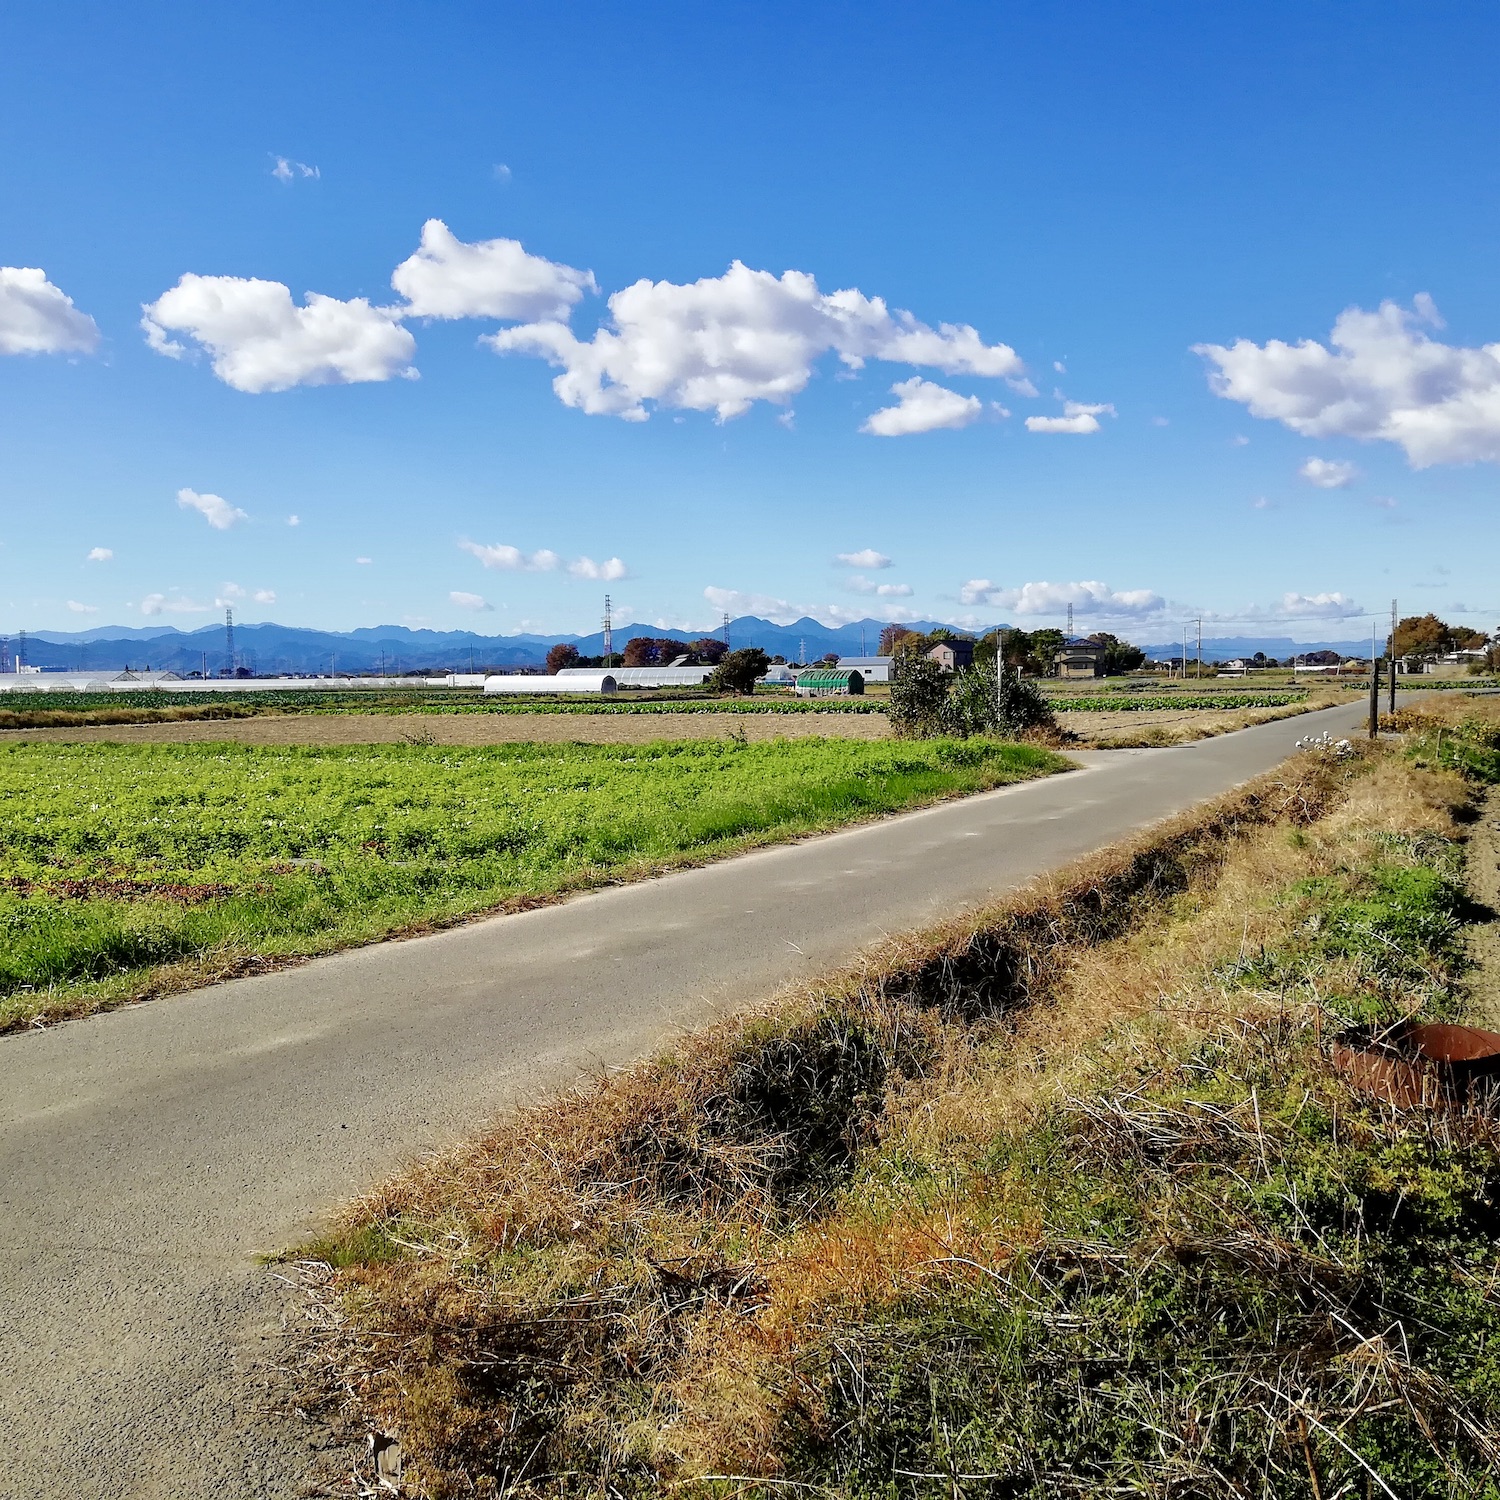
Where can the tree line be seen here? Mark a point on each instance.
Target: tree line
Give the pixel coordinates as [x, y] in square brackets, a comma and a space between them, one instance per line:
[1034, 652]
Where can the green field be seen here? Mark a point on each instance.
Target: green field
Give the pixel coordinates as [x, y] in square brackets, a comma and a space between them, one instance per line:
[127, 869]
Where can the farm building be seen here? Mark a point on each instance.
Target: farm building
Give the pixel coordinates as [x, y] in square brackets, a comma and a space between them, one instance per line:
[647, 677]
[828, 682]
[575, 682]
[871, 668]
[954, 654]
[1079, 658]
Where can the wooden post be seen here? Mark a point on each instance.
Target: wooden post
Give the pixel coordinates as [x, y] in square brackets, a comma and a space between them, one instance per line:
[1374, 696]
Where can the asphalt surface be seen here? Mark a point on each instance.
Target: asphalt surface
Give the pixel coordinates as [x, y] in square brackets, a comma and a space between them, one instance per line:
[147, 1157]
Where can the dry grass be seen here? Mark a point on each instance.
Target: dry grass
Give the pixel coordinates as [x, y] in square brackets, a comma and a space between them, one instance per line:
[71, 719]
[625, 1282]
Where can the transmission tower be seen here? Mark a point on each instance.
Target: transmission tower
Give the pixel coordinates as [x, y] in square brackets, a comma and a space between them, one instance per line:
[229, 641]
[1070, 622]
[726, 629]
[20, 650]
[609, 634]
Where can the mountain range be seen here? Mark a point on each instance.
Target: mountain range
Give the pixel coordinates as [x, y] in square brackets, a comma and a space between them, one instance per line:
[398, 648]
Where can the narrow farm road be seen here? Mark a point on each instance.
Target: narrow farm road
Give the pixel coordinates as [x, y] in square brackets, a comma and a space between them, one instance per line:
[146, 1157]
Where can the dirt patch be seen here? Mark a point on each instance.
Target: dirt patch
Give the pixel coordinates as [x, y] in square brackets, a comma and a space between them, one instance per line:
[484, 729]
[1483, 880]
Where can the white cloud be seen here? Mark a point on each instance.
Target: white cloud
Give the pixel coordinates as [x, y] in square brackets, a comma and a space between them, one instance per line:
[261, 341]
[605, 572]
[512, 559]
[39, 318]
[501, 172]
[82, 609]
[214, 509]
[859, 584]
[923, 406]
[294, 520]
[99, 554]
[1077, 418]
[722, 343]
[364, 562]
[1089, 598]
[285, 170]
[1328, 473]
[1239, 440]
[229, 593]
[1334, 606]
[447, 278]
[469, 601]
[160, 604]
[1059, 366]
[867, 557]
[1382, 379]
[784, 612]
[1294, 606]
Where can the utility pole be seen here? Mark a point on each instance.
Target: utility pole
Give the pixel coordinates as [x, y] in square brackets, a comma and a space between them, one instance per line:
[1184, 650]
[1200, 646]
[1392, 689]
[609, 634]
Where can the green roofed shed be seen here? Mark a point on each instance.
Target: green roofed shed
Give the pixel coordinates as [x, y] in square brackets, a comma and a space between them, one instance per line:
[827, 680]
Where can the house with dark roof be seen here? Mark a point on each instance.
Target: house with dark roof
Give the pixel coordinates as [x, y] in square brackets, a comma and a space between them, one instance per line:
[1079, 657]
[953, 654]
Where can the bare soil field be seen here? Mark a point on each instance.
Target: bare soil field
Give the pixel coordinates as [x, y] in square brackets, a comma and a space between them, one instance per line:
[479, 729]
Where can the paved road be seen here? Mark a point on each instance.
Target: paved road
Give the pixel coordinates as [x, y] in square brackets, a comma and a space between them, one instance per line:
[147, 1156]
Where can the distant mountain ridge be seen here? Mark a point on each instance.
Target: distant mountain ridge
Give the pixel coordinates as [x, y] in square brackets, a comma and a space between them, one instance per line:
[398, 648]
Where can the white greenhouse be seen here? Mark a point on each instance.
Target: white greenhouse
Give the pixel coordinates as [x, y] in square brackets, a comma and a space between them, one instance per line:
[647, 677]
[575, 682]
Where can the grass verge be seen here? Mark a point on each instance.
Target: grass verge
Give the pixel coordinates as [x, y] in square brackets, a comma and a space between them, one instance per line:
[1066, 1199]
[130, 870]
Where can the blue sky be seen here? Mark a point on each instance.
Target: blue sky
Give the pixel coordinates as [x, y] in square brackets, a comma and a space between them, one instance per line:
[1065, 200]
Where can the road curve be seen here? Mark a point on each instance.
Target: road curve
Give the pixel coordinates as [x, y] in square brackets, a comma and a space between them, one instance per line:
[147, 1156]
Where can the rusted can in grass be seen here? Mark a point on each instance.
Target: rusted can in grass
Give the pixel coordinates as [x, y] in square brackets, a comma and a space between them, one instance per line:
[1422, 1065]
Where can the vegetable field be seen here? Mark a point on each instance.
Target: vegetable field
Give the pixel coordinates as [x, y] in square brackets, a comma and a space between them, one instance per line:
[128, 869]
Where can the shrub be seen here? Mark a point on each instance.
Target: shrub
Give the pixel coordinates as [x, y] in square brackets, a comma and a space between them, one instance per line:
[738, 671]
[926, 702]
[919, 696]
